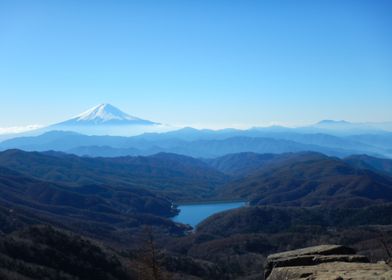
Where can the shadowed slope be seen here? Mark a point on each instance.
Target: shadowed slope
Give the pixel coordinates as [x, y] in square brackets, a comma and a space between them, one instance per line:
[309, 179]
[174, 175]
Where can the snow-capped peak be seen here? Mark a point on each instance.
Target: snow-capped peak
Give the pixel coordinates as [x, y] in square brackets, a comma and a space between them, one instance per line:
[103, 113]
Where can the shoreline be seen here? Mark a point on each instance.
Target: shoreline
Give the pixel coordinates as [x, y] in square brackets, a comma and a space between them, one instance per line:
[207, 202]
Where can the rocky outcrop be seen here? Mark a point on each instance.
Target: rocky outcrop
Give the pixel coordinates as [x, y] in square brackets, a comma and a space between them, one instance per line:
[324, 262]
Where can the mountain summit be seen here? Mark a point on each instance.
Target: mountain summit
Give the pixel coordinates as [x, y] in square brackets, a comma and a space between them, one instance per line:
[105, 114]
[333, 122]
[105, 119]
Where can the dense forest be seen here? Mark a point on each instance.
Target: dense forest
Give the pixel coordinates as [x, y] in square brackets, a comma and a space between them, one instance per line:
[69, 217]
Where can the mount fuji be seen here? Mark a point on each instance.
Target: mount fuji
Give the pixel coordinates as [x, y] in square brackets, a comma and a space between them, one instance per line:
[106, 119]
[105, 114]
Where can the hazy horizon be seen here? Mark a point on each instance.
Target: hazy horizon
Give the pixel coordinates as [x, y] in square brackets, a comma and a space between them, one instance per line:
[205, 64]
[195, 139]
[27, 128]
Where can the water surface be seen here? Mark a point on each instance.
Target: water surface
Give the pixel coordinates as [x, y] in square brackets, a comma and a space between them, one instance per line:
[193, 214]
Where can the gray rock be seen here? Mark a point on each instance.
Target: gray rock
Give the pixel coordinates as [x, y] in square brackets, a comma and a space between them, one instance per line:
[312, 256]
[315, 250]
[334, 271]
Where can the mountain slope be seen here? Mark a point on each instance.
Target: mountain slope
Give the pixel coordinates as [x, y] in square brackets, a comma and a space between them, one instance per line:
[42, 252]
[18, 189]
[217, 148]
[174, 176]
[269, 219]
[98, 211]
[309, 179]
[104, 114]
[240, 164]
[104, 119]
[372, 163]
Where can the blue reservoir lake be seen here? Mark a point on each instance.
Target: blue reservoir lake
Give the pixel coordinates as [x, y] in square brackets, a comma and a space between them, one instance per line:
[193, 214]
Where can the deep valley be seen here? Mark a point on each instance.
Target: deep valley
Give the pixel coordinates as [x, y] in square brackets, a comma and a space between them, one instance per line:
[122, 208]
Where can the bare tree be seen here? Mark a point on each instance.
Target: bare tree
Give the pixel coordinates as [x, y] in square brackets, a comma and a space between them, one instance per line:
[149, 267]
[387, 250]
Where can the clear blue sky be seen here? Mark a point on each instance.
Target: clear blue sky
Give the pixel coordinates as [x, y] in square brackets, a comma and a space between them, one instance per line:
[197, 62]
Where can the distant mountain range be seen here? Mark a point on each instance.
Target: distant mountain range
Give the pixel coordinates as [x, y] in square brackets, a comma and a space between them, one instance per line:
[106, 131]
[205, 143]
[347, 128]
[106, 119]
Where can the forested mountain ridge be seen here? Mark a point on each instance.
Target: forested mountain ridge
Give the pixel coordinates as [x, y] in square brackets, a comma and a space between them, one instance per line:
[172, 175]
[308, 179]
[296, 200]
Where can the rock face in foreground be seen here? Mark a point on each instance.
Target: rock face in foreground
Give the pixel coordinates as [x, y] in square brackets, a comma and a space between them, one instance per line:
[324, 262]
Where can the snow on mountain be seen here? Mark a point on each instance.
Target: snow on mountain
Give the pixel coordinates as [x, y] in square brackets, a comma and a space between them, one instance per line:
[105, 114]
[105, 119]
